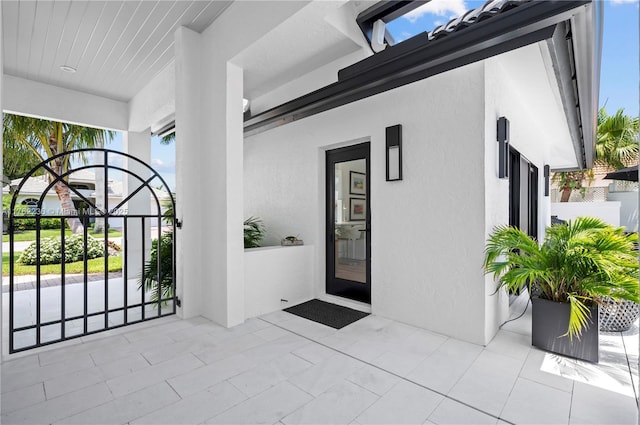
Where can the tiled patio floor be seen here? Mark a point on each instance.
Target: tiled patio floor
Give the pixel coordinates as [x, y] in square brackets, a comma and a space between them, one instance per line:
[284, 369]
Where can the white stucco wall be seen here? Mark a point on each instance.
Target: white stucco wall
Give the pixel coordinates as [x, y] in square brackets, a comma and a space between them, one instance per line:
[155, 102]
[508, 93]
[277, 273]
[427, 230]
[607, 211]
[628, 209]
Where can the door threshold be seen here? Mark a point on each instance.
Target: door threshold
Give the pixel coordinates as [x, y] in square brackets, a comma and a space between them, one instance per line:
[345, 302]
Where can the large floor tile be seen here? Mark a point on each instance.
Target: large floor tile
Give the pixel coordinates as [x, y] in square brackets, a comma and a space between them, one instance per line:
[267, 407]
[169, 351]
[21, 398]
[307, 328]
[125, 409]
[269, 374]
[271, 333]
[445, 366]
[549, 369]
[322, 376]
[277, 348]
[60, 407]
[20, 364]
[340, 404]
[123, 366]
[13, 379]
[72, 381]
[154, 374]
[405, 403]
[373, 379]
[511, 344]
[399, 362]
[594, 405]
[62, 354]
[368, 349]
[488, 382]
[450, 412]
[314, 353]
[605, 375]
[219, 350]
[150, 341]
[202, 378]
[196, 408]
[534, 403]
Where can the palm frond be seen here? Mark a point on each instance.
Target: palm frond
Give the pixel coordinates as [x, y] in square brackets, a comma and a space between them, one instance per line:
[579, 262]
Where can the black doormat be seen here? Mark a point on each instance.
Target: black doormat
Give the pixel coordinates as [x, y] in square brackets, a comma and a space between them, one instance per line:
[328, 314]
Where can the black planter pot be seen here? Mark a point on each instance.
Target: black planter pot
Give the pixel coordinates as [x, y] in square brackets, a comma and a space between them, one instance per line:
[550, 320]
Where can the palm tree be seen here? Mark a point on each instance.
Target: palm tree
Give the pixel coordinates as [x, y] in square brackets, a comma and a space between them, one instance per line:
[617, 139]
[17, 160]
[44, 139]
[616, 148]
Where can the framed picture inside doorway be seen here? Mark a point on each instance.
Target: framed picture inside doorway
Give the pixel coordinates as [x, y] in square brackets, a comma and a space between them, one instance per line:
[357, 209]
[357, 183]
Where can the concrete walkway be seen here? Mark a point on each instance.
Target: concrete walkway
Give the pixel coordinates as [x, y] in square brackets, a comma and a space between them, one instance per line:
[23, 283]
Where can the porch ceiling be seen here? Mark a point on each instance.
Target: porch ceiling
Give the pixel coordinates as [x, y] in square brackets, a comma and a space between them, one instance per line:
[116, 46]
[319, 34]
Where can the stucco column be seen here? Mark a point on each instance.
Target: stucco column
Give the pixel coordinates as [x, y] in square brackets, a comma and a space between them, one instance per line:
[209, 174]
[137, 145]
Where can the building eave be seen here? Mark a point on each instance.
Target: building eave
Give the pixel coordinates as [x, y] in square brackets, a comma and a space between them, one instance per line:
[422, 57]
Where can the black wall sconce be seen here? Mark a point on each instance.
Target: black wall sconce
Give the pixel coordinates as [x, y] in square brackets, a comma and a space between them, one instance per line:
[503, 148]
[547, 172]
[394, 152]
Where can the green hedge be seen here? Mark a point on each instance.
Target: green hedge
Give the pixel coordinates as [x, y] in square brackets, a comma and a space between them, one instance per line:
[51, 250]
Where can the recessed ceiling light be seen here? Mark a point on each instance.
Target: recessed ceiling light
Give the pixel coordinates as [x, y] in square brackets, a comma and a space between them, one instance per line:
[67, 68]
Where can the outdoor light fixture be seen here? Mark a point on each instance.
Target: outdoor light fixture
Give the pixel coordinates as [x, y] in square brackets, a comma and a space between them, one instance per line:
[394, 153]
[67, 68]
[547, 171]
[503, 148]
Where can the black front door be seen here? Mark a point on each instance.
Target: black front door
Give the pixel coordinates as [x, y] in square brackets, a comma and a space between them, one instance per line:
[349, 223]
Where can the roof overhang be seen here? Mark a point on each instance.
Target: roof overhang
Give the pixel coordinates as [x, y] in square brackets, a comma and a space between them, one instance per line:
[421, 57]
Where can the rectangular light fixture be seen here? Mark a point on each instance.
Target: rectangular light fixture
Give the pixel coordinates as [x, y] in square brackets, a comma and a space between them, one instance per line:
[394, 152]
[503, 148]
[547, 172]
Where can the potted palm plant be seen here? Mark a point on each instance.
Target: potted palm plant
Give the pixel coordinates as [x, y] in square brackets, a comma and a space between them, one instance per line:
[578, 263]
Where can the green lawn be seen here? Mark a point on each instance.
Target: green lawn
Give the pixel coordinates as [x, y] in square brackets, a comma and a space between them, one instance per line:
[30, 235]
[95, 265]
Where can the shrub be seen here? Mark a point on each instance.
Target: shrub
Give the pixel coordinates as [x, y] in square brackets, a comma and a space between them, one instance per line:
[51, 252]
[253, 232]
[30, 223]
[166, 268]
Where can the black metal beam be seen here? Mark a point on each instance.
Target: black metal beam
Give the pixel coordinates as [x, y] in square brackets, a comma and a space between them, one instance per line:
[418, 58]
[420, 49]
[342, 93]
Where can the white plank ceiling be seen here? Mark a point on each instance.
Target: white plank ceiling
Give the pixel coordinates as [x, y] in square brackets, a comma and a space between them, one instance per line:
[116, 46]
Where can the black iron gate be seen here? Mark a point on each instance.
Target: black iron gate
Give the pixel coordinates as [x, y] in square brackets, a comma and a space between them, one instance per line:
[45, 311]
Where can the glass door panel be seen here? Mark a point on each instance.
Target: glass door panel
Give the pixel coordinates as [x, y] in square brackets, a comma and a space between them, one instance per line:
[348, 250]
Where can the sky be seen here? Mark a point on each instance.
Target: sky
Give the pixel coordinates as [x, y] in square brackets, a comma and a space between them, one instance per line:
[163, 159]
[619, 73]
